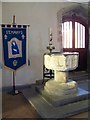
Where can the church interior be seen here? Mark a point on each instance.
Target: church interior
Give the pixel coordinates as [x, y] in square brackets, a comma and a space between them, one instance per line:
[54, 82]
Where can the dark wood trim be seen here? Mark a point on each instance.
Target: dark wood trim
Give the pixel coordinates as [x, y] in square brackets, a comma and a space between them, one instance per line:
[75, 19]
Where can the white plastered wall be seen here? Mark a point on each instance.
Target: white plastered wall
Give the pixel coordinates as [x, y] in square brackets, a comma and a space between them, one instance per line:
[40, 16]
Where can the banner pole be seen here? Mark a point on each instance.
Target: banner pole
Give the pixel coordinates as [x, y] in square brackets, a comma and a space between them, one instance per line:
[14, 72]
[14, 20]
[13, 77]
[14, 88]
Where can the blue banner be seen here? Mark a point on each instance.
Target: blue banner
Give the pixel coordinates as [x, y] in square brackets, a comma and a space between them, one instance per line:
[14, 47]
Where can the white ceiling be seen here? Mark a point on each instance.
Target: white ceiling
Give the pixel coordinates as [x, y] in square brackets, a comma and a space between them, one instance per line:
[80, 1]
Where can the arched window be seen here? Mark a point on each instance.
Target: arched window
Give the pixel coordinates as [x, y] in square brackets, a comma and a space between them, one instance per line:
[72, 39]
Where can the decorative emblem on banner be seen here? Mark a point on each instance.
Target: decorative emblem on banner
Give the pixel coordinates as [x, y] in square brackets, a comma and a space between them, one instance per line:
[14, 46]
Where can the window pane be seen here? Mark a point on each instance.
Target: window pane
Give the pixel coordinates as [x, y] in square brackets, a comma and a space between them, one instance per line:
[79, 35]
[76, 34]
[70, 34]
[83, 37]
[67, 34]
[64, 35]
